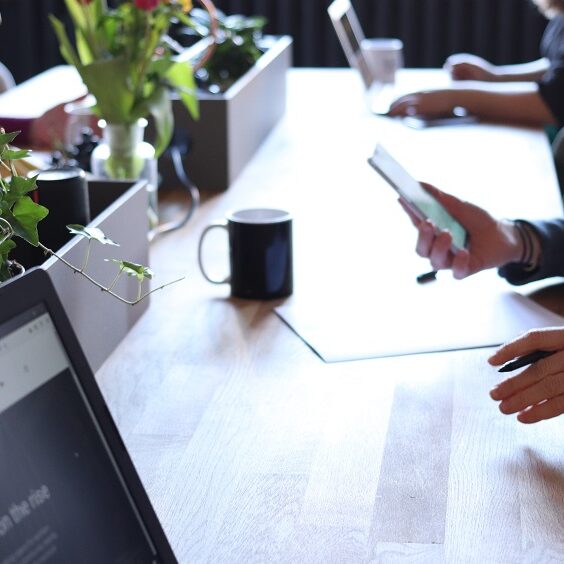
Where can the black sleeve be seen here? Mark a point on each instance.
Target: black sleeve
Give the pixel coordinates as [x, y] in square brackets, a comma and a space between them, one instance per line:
[551, 90]
[551, 235]
[551, 85]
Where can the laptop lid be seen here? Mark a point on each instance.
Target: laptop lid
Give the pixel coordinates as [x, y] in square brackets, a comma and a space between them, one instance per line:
[70, 492]
[350, 34]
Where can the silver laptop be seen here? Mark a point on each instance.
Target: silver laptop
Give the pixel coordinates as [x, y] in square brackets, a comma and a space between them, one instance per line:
[379, 95]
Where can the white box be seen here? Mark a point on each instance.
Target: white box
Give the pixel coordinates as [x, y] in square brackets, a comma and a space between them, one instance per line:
[232, 125]
[101, 321]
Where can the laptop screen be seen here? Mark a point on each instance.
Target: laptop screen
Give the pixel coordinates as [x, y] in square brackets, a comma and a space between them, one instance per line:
[350, 34]
[63, 498]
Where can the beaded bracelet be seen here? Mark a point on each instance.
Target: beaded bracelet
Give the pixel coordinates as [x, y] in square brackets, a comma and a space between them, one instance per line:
[528, 258]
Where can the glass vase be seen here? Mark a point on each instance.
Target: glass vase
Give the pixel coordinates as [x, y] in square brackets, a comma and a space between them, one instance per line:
[124, 155]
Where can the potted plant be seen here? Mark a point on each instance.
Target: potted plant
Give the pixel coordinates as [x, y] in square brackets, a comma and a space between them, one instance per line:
[125, 61]
[127, 66]
[241, 96]
[19, 219]
[237, 47]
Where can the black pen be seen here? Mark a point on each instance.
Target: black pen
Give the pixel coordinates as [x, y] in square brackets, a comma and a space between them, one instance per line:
[427, 277]
[524, 360]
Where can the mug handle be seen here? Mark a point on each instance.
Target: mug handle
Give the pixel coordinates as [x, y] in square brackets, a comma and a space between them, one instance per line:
[223, 225]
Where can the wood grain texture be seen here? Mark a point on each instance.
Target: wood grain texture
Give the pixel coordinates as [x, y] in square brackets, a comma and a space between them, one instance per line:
[254, 450]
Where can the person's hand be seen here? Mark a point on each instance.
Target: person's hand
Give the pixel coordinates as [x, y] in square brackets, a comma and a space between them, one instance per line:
[491, 242]
[431, 103]
[537, 392]
[464, 66]
[48, 130]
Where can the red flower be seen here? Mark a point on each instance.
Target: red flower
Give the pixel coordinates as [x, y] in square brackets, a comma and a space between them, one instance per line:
[147, 5]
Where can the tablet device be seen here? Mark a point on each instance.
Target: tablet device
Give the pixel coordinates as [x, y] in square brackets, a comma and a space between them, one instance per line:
[419, 200]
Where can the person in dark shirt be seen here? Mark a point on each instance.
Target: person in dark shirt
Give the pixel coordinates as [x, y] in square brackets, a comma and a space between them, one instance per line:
[538, 99]
[522, 251]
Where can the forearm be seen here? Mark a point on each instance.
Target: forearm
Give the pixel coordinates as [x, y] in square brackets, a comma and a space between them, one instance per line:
[525, 72]
[526, 107]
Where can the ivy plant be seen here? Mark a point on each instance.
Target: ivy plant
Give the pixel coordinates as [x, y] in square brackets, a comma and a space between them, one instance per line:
[20, 216]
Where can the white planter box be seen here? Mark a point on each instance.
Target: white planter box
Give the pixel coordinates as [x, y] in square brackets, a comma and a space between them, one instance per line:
[99, 320]
[233, 124]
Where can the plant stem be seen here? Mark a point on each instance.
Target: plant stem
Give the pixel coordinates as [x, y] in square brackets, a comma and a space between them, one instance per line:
[89, 31]
[103, 288]
[86, 256]
[114, 281]
[146, 59]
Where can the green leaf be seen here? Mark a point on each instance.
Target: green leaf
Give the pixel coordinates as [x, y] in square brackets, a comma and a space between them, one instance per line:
[160, 107]
[181, 77]
[133, 269]
[5, 249]
[22, 185]
[19, 186]
[107, 81]
[14, 154]
[65, 46]
[83, 48]
[91, 233]
[160, 66]
[6, 138]
[77, 13]
[26, 214]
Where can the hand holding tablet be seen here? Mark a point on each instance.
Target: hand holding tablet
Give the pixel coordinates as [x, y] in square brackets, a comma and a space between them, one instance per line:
[420, 202]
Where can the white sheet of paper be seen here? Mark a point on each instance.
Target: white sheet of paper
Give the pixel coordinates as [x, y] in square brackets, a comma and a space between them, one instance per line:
[444, 315]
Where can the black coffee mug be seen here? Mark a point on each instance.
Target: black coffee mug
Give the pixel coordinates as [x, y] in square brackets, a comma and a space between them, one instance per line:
[260, 253]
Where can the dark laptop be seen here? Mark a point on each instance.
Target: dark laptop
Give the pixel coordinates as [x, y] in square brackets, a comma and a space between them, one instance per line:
[69, 491]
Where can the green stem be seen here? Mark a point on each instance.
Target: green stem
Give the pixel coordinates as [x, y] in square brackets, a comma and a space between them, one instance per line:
[90, 31]
[103, 288]
[146, 59]
[86, 256]
[114, 281]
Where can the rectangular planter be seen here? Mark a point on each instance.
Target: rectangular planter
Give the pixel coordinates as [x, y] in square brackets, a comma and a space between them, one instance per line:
[232, 125]
[100, 321]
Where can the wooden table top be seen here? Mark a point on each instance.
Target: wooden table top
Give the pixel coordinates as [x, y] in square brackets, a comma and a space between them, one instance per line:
[252, 449]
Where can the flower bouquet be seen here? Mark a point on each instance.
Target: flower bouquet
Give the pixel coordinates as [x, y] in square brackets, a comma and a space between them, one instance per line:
[125, 61]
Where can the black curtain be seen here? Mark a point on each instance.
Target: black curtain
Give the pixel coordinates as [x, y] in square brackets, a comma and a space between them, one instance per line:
[27, 42]
[503, 31]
